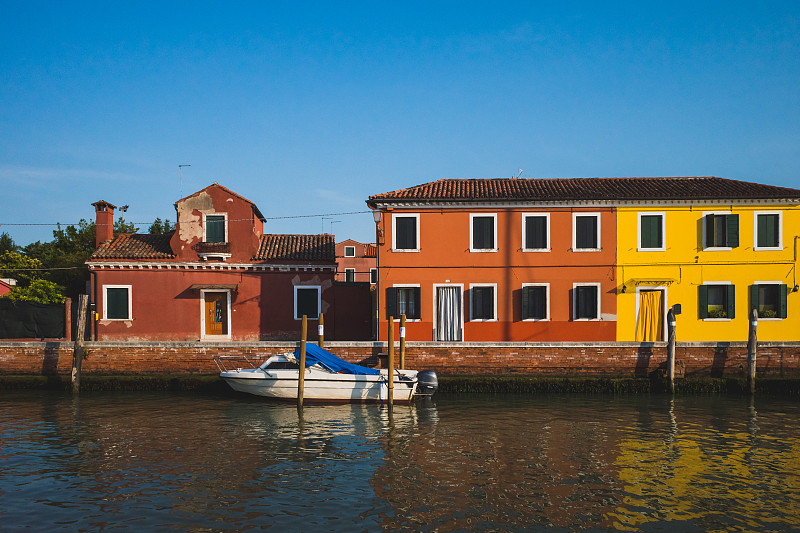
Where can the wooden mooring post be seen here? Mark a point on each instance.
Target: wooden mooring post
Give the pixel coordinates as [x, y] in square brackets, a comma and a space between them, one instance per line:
[77, 350]
[402, 342]
[390, 373]
[321, 330]
[671, 323]
[301, 370]
[752, 346]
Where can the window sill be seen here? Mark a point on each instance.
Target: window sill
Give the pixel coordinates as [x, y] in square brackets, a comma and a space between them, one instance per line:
[587, 249]
[718, 249]
[483, 320]
[717, 319]
[535, 250]
[651, 249]
[405, 250]
[768, 249]
[482, 250]
[778, 319]
[587, 320]
[116, 319]
[536, 319]
[408, 320]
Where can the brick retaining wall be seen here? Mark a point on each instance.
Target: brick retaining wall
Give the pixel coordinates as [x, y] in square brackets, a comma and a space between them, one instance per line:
[620, 359]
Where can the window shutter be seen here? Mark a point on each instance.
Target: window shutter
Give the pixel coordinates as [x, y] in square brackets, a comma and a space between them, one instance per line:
[709, 232]
[702, 301]
[406, 228]
[753, 297]
[731, 301]
[417, 302]
[391, 302]
[733, 231]
[525, 299]
[117, 303]
[650, 231]
[783, 310]
[762, 222]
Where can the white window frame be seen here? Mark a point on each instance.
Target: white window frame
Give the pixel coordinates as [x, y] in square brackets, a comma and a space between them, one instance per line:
[130, 302]
[546, 216]
[319, 300]
[203, 335]
[547, 302]
[778, 283]
[575, 302]
[707, 319]
[494, 304]
[350, 249]
[205, 224]
[715, 248]
[375, 277]
[394, 232]
[575, 216]
[346, 270]
[471, 240]
[639, 216]
[755, 231]
[410, 286]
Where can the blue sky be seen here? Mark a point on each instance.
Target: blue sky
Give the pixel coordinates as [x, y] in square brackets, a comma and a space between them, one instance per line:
[309, 108]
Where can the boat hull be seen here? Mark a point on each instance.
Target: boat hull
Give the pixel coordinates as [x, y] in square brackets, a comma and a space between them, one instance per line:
[319, 386]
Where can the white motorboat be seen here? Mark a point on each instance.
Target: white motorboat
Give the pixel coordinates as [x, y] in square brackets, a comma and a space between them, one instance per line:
[327, 378]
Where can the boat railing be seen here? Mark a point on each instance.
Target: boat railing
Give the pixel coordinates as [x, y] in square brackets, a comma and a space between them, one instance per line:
[227, 363]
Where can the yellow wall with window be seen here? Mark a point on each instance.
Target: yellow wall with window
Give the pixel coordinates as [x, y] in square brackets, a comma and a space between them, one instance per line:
[676, 249]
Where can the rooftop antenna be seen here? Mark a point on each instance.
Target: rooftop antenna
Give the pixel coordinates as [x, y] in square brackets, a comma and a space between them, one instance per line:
[180, 176]
[519, 174]
[332, 223]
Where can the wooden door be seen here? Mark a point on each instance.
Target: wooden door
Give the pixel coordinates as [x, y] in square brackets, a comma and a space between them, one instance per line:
[216, 313]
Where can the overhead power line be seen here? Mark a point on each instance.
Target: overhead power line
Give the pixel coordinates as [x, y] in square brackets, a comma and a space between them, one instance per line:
[188, 221]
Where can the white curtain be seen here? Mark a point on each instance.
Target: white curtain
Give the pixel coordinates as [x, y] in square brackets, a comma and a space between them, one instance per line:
[448, 323]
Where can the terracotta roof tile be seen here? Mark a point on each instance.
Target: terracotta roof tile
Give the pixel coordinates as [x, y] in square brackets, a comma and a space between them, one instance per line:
[276, 247]
[560, 189]
[136, 246]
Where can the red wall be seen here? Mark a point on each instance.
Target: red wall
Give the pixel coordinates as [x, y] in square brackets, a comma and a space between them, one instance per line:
[445, 258]
[166, 309]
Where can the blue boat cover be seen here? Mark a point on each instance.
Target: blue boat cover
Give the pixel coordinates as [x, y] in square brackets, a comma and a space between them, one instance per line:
[315, 354]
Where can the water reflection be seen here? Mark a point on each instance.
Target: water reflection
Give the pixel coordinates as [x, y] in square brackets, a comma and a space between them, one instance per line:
[512, 463]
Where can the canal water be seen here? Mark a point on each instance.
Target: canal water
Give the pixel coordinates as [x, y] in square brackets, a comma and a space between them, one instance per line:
[161, 461]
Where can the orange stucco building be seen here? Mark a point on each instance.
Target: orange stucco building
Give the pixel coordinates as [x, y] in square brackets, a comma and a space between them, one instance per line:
[492, 260]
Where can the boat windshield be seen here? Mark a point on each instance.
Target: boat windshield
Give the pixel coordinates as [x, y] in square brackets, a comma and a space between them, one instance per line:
[316, 355]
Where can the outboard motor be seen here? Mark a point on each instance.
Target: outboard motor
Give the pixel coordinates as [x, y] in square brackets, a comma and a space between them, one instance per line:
[427, 382]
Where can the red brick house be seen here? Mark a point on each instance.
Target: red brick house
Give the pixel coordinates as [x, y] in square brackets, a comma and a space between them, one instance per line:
[356, 262]
[216, 277]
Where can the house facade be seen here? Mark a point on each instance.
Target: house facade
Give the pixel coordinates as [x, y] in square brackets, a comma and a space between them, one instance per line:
[719, 252]
[356, 262]
[490, 260]
[588, 259]
[217, 277]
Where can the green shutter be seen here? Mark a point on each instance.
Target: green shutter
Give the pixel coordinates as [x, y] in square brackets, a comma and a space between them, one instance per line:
[753, 297]
[763, 239]
[733, 230]
[651, 231]
[709, 234]
[417, 303]
[730, 301]
[215, 228]
[702, 301]
[525, 297]
[391, 302]
[783, 310]
[117, 304]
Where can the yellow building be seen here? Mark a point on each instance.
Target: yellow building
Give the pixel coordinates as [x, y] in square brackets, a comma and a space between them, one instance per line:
[717, 247]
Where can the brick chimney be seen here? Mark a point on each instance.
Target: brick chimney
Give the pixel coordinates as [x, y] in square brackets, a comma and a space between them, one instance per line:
[104, 223]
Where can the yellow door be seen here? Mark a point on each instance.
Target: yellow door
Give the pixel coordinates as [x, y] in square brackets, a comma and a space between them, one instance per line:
[649, 325]
[216, 310]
